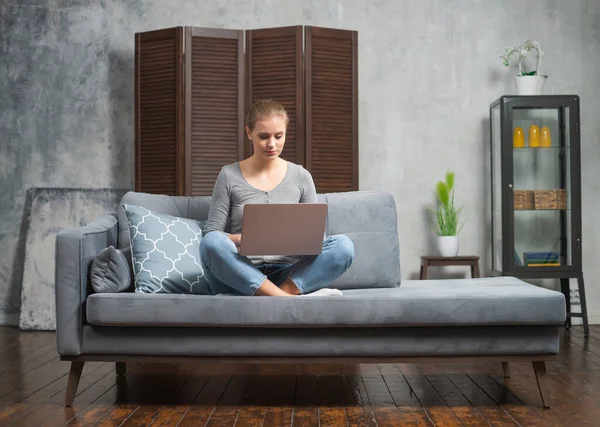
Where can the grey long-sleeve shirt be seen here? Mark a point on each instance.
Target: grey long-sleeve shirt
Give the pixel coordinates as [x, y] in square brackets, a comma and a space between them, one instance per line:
[232, 192]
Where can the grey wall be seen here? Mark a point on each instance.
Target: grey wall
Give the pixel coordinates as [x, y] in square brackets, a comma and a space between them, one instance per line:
[428, 70]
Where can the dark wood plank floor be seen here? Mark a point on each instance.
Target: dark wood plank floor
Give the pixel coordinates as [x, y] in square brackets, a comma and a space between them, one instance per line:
[33, 382]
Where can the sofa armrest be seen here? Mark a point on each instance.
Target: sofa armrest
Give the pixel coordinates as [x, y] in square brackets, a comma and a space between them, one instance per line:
[76, 248]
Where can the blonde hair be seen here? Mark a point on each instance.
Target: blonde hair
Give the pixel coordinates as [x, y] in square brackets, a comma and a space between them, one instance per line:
[263, 109]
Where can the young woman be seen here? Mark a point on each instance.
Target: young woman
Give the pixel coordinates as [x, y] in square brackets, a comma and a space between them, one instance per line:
[266, 178]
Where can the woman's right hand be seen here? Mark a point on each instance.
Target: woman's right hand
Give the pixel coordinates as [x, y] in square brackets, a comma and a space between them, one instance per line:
[236, 238]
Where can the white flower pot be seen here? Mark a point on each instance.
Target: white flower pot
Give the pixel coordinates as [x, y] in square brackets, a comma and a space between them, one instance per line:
[448, 245]
[530, 85]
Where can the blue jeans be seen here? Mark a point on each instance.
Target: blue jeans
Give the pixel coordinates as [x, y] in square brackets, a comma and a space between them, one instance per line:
[229, 272]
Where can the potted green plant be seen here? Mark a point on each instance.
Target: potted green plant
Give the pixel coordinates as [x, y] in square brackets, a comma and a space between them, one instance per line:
[529, 82]
[447, 218]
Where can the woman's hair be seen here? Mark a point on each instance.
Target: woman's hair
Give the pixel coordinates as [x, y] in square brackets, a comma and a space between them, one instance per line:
[263, 109]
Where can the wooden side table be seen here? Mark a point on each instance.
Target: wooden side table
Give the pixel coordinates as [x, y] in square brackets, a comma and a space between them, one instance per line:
[437, 261]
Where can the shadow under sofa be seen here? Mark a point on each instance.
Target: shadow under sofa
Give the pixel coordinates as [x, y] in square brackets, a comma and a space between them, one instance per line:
[378, 319]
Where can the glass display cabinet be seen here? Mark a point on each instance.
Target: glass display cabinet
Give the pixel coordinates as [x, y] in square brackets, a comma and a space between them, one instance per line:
[536, 191]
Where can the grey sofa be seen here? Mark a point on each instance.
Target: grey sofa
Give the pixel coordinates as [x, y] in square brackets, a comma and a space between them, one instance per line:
[378, 319]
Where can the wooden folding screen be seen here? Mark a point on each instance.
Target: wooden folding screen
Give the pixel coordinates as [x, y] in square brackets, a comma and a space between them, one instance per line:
[193, 87]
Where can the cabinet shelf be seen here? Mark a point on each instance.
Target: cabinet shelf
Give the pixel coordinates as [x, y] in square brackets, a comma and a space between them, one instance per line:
[539, 149]
[542, 210]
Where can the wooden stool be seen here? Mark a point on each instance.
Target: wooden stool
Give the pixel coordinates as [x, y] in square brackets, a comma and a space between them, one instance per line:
[427, 261]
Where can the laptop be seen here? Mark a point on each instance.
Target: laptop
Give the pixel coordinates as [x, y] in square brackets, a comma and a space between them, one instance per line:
[283, 229]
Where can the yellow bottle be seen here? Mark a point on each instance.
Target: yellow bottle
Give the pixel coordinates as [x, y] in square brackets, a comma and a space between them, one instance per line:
[518, 138]
[534, 136]
[546, 137]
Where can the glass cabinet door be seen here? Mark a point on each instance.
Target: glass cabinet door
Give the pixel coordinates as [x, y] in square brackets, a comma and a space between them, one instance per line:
[541, 187]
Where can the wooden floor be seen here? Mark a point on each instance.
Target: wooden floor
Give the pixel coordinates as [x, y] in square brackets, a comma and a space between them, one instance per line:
[33, 381]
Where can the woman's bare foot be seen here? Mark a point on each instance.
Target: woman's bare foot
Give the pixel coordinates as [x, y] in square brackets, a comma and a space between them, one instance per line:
[289, 287]
[269, 289]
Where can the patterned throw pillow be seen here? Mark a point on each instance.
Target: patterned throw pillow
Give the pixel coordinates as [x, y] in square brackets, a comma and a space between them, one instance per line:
[165, 251]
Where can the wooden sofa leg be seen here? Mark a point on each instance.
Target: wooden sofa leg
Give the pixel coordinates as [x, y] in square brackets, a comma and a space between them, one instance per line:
[73, 382]
[121, 368]
[540, 375]
[506, 369]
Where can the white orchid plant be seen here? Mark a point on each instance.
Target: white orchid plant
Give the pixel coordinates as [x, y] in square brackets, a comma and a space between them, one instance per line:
[522, 50]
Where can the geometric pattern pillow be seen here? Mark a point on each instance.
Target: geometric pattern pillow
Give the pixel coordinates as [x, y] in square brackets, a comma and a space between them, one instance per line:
[165, 252]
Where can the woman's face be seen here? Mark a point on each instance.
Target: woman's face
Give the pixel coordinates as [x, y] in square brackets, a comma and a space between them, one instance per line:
[268, 136]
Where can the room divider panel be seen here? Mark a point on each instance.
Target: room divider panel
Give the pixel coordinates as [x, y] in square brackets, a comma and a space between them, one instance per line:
[193, 87]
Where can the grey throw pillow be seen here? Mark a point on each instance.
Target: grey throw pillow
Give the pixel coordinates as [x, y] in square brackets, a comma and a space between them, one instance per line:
[165, 252]
[111, 271]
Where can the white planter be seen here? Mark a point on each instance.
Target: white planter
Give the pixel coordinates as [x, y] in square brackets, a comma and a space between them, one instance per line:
[448, 245]
[530, 85]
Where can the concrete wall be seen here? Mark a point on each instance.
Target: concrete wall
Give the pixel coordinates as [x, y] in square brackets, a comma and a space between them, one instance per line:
[428, 70]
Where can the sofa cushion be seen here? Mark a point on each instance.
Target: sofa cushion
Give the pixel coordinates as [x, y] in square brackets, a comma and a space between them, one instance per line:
[368, 218]
[485, 301]
[165, 252]
[111, 271]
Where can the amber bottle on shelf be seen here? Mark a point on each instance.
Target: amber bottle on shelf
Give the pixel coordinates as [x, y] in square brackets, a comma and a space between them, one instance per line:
[546, 137]
[534, 136]
[518, 138]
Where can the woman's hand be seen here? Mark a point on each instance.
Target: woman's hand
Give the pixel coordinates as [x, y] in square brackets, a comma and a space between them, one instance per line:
[236, 238]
